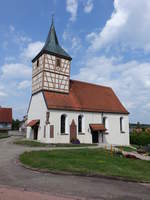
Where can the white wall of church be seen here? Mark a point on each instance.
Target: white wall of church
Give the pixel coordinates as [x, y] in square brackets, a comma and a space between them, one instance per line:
[37, 110]
[114, 135]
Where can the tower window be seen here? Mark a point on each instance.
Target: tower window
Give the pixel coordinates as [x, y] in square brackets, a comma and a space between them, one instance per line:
[37, 64]
[58, 62]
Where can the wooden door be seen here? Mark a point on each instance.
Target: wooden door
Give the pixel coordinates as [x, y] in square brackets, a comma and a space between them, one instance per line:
[35, 130]
[73, 131]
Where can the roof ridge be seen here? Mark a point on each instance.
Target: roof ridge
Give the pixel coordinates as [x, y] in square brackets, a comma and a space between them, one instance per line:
[90, 83]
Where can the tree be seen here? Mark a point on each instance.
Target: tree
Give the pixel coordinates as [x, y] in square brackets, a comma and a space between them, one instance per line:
[15, 124]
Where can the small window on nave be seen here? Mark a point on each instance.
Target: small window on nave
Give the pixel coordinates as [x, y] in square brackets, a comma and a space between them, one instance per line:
[121, 125]
[63, 124]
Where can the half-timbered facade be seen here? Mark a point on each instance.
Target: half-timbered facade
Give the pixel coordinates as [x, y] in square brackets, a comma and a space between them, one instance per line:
[62, 110]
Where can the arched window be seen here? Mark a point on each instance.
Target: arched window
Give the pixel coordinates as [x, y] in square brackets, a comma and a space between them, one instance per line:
[121, 124]
[80, 124]
[63, 123]
[104, 121]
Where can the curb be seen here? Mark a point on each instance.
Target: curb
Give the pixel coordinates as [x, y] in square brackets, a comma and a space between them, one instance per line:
[118, 178]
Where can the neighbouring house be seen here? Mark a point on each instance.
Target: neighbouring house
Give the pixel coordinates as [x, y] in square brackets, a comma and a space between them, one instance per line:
[23, 125]
[62, 110]
[5, 119]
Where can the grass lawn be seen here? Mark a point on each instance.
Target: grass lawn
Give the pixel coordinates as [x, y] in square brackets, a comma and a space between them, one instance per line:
[88, 161]
[4, 135]
[31, 143]
[125, 148]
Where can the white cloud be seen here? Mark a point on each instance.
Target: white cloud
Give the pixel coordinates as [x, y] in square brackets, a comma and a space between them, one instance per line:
[130, 80]
[72, 7]
[15, 71]
[32, 50]
[73, 42]
[17, 37]
[3, 94]
[24, 84]
[76, 44]
[9, 59]
[88, 7]
[129, 26]
[12, 28]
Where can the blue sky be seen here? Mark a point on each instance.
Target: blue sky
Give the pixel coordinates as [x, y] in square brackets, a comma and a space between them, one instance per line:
[108, 41]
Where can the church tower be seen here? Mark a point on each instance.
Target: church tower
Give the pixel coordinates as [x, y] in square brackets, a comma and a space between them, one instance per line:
[51, 67]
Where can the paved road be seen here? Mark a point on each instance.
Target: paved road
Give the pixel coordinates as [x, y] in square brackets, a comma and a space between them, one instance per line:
[15, 176]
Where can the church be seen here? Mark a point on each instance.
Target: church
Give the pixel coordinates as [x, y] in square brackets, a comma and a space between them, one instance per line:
[62, 110]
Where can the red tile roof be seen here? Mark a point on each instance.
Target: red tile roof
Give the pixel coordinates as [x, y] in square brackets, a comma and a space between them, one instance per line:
[33, 122]
[5, 115]
[97, 127]
[85, 97]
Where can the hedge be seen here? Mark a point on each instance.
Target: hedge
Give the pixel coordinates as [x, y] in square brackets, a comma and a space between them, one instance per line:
[142, 138]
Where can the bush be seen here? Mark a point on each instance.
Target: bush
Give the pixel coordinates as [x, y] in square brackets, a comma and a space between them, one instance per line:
[141, 150]
[142, 138]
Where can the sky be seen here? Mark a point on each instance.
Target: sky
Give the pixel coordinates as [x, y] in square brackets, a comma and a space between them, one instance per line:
[108, 40]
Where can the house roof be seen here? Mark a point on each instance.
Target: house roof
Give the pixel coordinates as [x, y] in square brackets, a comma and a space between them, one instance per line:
[5, 115]
[97, 127]
[85, 97]
[52, 45]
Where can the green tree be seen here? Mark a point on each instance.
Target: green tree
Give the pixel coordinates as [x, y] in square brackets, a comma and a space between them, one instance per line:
[15, 124]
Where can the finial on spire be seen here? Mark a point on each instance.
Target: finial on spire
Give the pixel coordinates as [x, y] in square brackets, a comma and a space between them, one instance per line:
[53, 18]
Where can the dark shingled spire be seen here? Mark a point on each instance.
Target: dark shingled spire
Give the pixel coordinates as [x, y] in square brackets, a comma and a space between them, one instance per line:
[52, 45]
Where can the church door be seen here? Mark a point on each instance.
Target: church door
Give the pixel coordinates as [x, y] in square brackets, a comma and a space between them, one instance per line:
[35, 132]
[73, 131]
[95, 137]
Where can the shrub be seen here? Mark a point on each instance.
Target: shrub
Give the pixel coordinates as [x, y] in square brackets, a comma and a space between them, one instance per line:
[141, 150]
[142, 138]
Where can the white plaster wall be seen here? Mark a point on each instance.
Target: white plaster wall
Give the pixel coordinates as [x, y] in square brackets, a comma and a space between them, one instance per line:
[86, 137]
[37, 110]
[114, 135]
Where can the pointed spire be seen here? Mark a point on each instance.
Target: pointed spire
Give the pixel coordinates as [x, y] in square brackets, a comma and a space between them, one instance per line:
[52, 44]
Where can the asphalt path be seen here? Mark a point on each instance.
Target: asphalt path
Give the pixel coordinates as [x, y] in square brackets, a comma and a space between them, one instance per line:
[15, 178]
